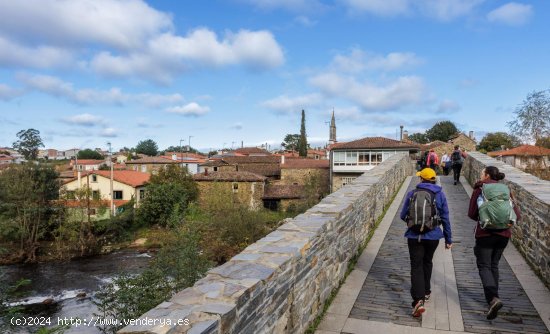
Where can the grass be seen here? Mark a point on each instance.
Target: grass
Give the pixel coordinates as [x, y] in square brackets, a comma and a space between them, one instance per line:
[351, 265]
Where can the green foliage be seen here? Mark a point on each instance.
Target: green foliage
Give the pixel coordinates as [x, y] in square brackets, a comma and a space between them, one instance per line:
[543, 142]
[9, 293]
[148, 147]
[495, 140]
[28, 143]
[171, 189]
[104, 167]
[178, 265]
[26, 197]
[291, 142]
[89, 154]
[443, 131]
[418, 137]
[302, 142]
[184, 148]
[532, 117]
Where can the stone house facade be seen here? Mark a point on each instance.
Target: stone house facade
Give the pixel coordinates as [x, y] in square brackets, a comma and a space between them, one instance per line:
[149, 165]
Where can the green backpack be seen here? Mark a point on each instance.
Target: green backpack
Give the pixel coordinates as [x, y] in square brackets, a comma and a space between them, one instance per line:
[497, 210]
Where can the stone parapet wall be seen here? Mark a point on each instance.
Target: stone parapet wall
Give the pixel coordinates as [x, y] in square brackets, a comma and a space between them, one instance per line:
[280, 283]
[532, 234]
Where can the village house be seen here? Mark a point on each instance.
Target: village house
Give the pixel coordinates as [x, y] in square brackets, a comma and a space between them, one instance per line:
[238, 186]
[87, 165]
[189, 160]
[525, 157]
[48, 154]
[127, 185]
[6, 159]
[302, 180]
[149, 164]
[268, 166]
[351, 159]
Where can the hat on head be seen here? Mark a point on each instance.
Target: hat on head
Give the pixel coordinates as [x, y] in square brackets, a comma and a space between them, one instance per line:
[427, 174]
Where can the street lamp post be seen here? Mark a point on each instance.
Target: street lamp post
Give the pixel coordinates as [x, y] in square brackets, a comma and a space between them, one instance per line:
[189, 143]
[111, 185]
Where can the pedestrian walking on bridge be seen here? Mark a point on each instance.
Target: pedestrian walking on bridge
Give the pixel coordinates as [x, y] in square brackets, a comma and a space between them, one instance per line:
[425, 210]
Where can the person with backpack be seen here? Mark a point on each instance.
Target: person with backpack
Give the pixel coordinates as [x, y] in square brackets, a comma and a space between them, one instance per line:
[432, 160]
[446, 163]
[425, 210]
[492, 207]
[457, 159]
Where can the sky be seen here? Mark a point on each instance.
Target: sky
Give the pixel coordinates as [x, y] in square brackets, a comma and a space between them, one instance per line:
[224, 72]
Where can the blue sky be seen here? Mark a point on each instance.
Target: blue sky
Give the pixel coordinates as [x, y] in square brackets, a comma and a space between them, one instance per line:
[86, 72]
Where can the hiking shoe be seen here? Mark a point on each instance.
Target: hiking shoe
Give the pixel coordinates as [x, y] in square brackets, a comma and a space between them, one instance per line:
[495, 305]
[427, 297]
[455, 183]
[418, 309]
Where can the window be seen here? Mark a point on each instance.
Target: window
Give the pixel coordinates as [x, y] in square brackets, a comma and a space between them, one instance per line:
[347, 180]
[117, 194]
[351, 158]
[339, 158]
[364, 158]
[143, 168]
[94, 178]
[376, 158]
[235, 187]
[215, 169]
[95, 194]
[141, 194]
[92, 212]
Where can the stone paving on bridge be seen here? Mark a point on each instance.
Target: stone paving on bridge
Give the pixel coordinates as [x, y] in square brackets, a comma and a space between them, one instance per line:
[375, 297]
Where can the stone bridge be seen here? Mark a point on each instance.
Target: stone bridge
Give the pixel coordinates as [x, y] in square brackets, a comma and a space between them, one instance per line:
[343, 265]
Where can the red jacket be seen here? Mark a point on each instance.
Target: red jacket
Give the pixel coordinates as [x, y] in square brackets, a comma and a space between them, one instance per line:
[432, 159]
[473, 212]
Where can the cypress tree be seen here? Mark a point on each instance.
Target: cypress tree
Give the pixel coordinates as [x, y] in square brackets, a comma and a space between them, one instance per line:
[302, 142]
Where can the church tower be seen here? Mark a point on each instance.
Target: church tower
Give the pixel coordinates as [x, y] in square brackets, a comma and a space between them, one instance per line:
[332, 136]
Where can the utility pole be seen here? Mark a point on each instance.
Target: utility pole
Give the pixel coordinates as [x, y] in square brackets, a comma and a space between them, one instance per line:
[111, 186]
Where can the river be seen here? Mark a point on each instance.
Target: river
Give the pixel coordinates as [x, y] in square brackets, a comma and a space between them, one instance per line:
[63, 281]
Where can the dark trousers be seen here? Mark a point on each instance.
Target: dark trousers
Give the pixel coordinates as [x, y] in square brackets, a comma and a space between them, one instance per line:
[456, 172]
[488, 251]
[421, 254]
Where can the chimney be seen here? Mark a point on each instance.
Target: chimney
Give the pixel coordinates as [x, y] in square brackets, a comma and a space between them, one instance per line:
[401, 133]
[206, 172]
[282, 159]
[471, 135]
[405, 135]
[242, 143]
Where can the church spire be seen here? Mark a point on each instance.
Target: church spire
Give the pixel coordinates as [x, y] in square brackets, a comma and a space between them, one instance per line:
[332, 136]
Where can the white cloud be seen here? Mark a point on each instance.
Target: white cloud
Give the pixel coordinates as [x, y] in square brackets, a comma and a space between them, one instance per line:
[447, 106]
[7, 93]
[113, 96]
[109, 133]
[190, 109]
[359, 60]
[286, 104]
[87, 120]
[403, 91]
[443, 10]
[13, 54]
[512, 13]
[118, 24]
[168, 53]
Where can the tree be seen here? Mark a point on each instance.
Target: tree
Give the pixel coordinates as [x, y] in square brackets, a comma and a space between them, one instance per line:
[171, 189]
[28, 143]
[419, 138]
[532, 117]
[494, 141]
[147, 147]
[291, 142]
[26, 197]
[543, 142]
[302, 142]
[443, 131]
[89, 154]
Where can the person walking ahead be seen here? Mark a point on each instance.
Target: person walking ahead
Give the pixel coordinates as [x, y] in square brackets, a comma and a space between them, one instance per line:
[457, 158]
[491, 208]
[425, 209]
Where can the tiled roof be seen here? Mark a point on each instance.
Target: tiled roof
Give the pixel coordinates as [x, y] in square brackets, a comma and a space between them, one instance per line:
[283, 191]
[89, 162]
[185, 159]
[240, 176]
[373, 143]
[214, 163]
[251, 159]
[251, 150]
[185, 154]
[129, 177]
[524, 150]
[151, 160]
[305, 163]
